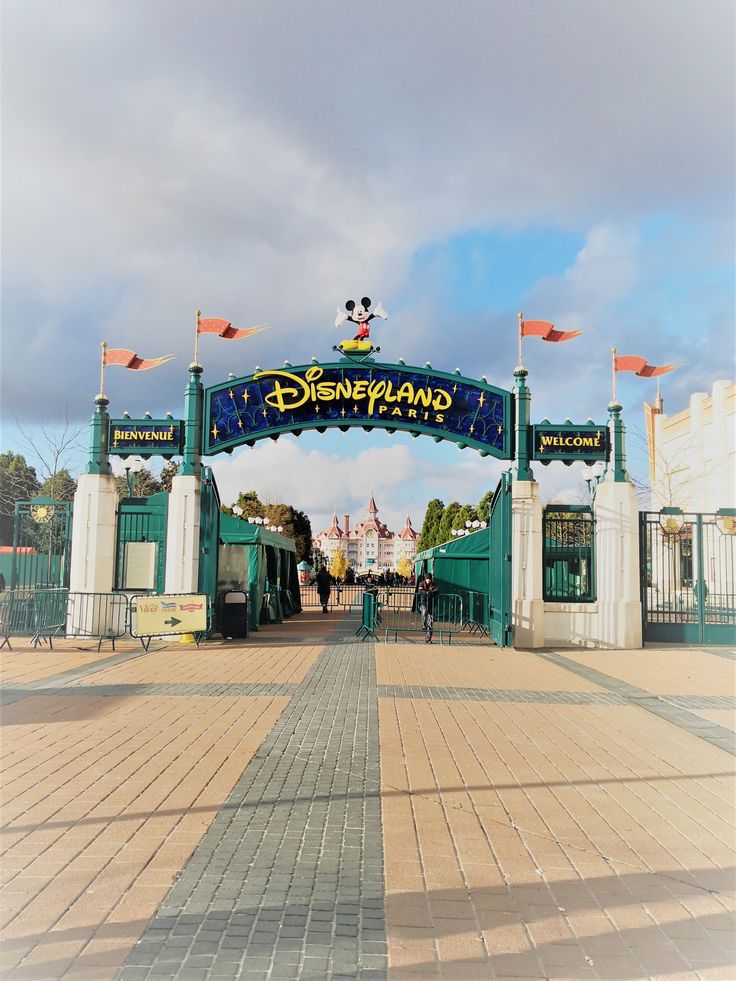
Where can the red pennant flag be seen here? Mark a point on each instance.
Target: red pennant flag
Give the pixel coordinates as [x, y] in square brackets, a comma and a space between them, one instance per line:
[546, 330]
[214, 325]
[640, 367]
[129, 359]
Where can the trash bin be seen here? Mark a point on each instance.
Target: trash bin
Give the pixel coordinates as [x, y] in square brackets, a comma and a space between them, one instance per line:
[233, 619]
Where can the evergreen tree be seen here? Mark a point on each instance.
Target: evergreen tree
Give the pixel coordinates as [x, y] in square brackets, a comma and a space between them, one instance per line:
[294, 524]
[484, 506]
[60, 487]
[465, 513]
[18, 482]
[430, 525]
[444, 531]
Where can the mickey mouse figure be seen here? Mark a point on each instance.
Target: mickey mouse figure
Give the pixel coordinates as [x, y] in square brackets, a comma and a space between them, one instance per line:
[357, 313]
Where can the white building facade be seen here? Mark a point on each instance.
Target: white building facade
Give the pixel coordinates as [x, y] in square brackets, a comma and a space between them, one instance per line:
[370, 546]
[692, 454]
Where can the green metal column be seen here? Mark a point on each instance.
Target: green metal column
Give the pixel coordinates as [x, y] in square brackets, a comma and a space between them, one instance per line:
[99, 462]
[193, 405]
[522, 470]
[616, 470]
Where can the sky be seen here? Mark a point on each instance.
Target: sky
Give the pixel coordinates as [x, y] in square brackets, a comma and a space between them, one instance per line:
[460, 162]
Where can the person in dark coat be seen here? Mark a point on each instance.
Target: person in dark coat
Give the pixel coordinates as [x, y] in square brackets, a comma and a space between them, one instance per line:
[427, 593]
[324, 587]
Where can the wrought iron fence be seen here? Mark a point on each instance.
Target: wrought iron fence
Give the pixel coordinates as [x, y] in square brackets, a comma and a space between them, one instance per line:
[568, 553]
[688, 576]
[41, 543]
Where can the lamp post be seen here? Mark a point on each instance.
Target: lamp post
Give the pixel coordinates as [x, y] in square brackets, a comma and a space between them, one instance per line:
[133, 466]
[592, 477]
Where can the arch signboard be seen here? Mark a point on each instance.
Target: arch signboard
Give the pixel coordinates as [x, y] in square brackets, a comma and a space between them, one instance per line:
[350, 393]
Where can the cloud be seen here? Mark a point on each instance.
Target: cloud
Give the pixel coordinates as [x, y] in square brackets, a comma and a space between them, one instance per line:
[317, 482]
[168, 157]
[402, 476]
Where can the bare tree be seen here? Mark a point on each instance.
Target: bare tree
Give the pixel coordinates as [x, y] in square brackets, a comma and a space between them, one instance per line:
[54, 446]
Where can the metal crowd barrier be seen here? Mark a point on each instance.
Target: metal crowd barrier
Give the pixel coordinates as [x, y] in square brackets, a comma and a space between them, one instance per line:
[367, 626]
[351, 596]
[342, 596]
[394, 614]
[36, 613]
[100, 615]
[476, 608]
[445, 617]
[44, 614]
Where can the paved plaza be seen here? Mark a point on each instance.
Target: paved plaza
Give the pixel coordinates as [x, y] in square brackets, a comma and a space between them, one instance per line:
[302, 805]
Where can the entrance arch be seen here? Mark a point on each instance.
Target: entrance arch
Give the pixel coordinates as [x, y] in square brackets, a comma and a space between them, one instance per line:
[351, 393]
[360, 393]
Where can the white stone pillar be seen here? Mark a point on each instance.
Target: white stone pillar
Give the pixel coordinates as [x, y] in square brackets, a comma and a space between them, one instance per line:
[92, 567]
[617, 565]
[527, 603]
[182, 535]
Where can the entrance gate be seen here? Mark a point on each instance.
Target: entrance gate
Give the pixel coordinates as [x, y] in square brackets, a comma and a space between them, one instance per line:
[41, 543]
[499, 571]
[688, 577]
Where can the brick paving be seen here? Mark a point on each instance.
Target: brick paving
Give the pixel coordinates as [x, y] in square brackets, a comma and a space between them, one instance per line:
[303, 805]
[288, 881]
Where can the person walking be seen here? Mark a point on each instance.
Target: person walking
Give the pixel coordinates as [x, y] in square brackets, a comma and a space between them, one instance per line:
[427, 593]
[324, 587]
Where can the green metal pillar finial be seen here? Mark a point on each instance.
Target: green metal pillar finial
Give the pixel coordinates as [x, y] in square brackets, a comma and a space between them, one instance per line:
[99, 461]
[522, 470]
[193, 405]
[616, 470]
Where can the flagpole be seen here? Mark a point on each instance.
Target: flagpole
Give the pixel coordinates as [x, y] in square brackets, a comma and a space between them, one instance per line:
[102, 368]
[613, 372]
[196, 337]
[521, 362]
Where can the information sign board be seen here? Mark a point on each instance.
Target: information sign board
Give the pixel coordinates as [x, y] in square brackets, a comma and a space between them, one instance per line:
[140, 565]
[183, 613]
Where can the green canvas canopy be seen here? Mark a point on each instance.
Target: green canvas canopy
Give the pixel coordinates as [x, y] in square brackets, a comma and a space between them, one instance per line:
[263, 563]
[458, 565]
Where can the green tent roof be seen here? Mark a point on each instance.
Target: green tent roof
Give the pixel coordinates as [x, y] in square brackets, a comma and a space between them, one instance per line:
[235, 531]
[473, 546]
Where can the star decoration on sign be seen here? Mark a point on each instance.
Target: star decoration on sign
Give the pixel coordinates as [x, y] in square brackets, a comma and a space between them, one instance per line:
[215, 431]
[245, 396]
[482, 399]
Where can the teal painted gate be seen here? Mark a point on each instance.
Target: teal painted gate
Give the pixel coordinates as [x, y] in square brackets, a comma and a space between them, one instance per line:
[688, 576]
[142, 522]
[42, 532]
[209, 534]
[499, 565]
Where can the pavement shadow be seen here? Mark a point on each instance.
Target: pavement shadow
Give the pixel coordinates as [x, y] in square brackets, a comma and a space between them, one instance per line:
[584, 919]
